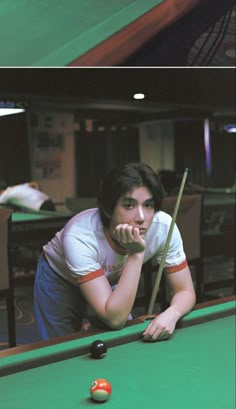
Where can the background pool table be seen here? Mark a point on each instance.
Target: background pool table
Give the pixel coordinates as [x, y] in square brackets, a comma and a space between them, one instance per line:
[84, 32]
[195, 369]
[40, 226]
[29, 231]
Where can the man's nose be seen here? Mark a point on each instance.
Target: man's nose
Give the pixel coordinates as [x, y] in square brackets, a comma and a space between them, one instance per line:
[140, 214]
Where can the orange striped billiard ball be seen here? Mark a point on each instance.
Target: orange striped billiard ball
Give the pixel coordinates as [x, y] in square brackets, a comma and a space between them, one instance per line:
[100, 390]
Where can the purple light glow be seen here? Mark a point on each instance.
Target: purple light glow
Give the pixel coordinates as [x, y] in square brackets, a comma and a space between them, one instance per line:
[207, 144]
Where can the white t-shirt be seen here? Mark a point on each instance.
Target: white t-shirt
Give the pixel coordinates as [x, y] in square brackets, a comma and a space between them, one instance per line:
[23, 195]
[80, 251]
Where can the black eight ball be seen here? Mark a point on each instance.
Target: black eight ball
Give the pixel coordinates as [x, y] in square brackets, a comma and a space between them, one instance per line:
[98, 349]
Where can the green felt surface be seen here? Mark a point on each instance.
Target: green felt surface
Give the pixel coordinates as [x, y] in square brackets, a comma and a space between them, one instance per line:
[18, 217]
[54, 33]
[195, 369]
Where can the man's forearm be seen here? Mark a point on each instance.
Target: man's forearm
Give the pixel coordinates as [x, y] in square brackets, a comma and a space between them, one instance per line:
[183, 302]
[122, 298]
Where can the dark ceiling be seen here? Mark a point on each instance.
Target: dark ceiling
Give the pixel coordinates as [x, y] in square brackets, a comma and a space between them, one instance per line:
[106, 93]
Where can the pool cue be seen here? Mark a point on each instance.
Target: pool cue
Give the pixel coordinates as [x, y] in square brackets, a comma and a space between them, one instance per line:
[161, 267]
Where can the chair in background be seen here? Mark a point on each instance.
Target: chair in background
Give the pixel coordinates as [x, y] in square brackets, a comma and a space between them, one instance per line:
[189, 222]
[6, 277]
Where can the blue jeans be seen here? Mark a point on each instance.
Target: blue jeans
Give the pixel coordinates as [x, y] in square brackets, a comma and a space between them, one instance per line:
[59, 305]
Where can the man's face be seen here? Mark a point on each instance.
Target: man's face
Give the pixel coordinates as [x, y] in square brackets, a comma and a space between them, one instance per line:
[135, 208]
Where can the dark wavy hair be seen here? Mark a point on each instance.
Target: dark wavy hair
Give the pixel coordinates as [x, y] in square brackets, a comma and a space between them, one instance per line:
[126, 178]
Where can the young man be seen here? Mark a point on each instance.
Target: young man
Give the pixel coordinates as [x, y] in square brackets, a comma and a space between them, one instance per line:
[96, 260]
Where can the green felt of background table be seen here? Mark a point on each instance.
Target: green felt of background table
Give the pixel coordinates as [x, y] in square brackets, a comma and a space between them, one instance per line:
[18, 217]
[53, 33]
[195, 369]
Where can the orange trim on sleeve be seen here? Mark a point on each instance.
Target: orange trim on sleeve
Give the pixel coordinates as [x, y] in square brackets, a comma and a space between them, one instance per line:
[179, 267]
[90, 276]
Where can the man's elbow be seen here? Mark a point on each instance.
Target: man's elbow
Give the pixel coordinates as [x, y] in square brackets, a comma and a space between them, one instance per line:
[115, 323]
[193, 297]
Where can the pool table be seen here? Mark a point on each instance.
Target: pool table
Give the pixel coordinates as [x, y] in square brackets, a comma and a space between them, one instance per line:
[36, 226]
[194, 369]
[82, 32]
[29, 231]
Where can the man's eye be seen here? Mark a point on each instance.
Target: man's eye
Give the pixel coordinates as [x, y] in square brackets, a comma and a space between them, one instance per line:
[150, 205]
[128, 205]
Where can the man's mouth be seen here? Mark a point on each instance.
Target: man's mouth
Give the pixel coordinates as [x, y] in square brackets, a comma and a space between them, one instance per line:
[142, 230]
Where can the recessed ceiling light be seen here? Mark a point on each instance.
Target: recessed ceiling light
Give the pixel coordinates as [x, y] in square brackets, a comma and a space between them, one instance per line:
[139, 95]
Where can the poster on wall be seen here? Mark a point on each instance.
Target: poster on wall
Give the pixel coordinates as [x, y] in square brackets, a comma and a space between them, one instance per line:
[48, 148]
[52, 154]
[48, 145]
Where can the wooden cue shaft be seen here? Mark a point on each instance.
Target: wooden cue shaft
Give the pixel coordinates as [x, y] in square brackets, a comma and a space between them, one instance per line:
[161, 267]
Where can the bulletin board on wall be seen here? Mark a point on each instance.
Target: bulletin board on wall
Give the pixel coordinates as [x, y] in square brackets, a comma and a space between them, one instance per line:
[52, 153]
[47, 147]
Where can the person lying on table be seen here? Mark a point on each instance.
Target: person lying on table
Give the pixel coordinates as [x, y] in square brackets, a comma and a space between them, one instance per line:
[26, 195]
[96, 259]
